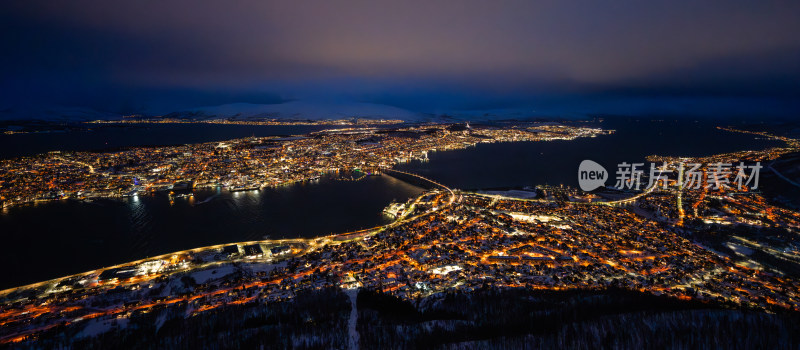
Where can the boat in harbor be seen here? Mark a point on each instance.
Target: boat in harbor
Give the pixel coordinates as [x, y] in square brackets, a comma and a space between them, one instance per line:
[249, 187]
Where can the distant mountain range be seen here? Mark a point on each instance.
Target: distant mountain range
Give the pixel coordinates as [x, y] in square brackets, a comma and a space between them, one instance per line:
[55, 114]
[298, 110]
[293, 110]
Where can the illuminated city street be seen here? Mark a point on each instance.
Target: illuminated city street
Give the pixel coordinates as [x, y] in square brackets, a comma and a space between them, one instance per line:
[434, 175]
[444, 239]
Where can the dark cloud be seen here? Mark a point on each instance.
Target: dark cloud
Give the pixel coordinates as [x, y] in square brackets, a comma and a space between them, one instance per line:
[424, 54]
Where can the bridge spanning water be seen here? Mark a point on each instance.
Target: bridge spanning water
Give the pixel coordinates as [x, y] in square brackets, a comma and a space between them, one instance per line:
[309, 243]
[421, 178]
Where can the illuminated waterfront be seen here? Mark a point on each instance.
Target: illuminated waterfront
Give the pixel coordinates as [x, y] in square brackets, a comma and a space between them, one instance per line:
[502, 165]
[80, 236]
[105, 137]
[85, 235]
[445, 240]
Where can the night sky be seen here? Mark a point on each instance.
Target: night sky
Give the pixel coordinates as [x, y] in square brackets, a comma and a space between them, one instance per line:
[688, 57]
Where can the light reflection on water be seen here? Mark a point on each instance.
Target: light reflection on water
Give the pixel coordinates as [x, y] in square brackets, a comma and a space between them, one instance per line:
[53, 239]
[47, 240]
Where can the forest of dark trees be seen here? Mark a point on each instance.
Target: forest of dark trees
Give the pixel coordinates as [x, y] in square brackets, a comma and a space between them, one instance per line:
[488, 318]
